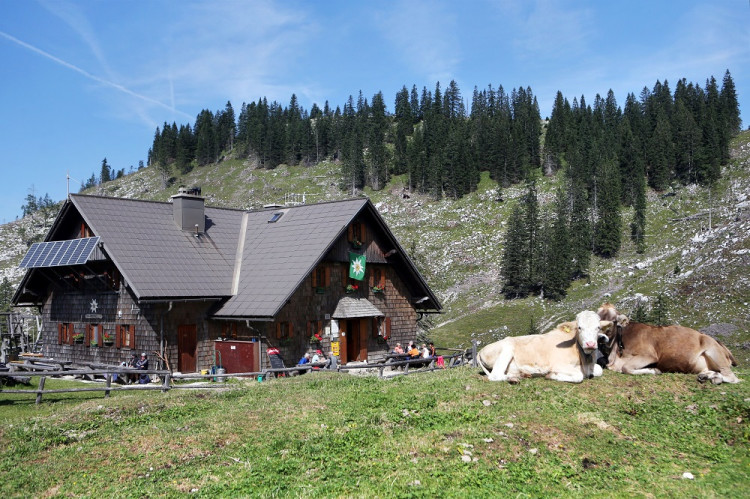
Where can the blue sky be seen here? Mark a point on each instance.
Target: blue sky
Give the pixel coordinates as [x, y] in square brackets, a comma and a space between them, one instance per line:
[84, 80]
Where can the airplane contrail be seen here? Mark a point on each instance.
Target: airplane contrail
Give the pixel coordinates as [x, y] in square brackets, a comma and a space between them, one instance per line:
[88, 75]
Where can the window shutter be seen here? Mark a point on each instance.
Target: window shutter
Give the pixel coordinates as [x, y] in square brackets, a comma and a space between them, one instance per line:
[315, 278]
[387, 328]
[320, 328]
[289, 326]
[381, 277]
[345, 274]
[70, 334]
[87, 335]
[362, 233]
[99, 330]
[118, 336]
[327, 269]
[370, 271]
[131, 329]
[309, 328]
[278, 330]
[350, 233]
[59, 334]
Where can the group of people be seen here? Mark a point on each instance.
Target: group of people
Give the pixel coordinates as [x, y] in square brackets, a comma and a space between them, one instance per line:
[330, 362]
[426, 351]
[137, 363]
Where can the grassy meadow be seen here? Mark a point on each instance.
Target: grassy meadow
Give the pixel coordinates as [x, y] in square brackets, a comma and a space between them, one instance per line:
[442, 434]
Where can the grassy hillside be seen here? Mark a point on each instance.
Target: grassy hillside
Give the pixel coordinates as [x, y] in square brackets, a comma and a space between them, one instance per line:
[443, 434]
[697, 261]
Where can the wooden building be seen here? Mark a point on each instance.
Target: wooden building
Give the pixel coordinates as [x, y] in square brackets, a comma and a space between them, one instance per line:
[207, 286]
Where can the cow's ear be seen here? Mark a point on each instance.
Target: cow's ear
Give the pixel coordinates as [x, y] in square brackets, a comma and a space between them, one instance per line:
[606, 326]
[622, 320]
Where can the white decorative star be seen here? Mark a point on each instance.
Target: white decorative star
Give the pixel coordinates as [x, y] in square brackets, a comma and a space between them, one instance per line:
[94, 306]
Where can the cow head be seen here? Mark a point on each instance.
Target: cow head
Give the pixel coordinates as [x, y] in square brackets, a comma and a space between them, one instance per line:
[590, 329]
[607, 340]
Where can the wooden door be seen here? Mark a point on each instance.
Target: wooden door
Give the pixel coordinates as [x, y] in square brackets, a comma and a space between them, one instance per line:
[343, 337]
[187, 345]
[363, 337]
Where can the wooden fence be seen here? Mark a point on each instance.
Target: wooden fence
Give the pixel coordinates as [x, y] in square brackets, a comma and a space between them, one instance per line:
[44, 368]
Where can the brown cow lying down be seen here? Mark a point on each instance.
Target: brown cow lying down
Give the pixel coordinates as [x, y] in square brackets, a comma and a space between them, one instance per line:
[635, 348]
[567, 353]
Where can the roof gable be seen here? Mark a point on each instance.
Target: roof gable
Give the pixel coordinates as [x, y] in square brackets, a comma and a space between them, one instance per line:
[278, 256]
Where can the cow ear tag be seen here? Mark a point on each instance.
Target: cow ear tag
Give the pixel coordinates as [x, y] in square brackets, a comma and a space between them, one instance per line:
[566, 329]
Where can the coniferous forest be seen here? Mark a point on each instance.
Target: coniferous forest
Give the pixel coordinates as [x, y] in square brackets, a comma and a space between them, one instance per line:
[607, 156]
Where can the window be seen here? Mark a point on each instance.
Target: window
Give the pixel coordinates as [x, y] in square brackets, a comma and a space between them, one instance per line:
[125, 336]
[65, 333]
[315, 330]
[85, 230]
[275, 217]
[321, 276]
[381, 327]
[94, 335]
[283, 330]
[229, 330]
[377, 277]
[356, 233]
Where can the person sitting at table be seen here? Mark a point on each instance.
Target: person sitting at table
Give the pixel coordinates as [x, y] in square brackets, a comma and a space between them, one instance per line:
[142, 364]
[398, 350]
[414, 352]
[333, 361]
[304, 360]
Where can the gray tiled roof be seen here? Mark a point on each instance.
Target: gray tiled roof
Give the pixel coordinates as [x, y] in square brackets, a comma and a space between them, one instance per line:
[278, 256]
[157, 258]
[160, 261]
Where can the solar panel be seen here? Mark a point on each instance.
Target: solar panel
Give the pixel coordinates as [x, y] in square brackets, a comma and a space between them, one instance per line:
[59, 253]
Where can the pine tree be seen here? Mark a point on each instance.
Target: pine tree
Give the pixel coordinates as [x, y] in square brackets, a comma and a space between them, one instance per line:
[404, 127]
[6, 295]
[106, 172]
[660, 153]
[557, 262]
[514, 258]
[730, 107]
[607, 229]
[378, 157]
[638, 224]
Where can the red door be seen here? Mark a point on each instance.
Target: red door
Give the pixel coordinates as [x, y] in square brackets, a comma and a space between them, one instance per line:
[187, 344]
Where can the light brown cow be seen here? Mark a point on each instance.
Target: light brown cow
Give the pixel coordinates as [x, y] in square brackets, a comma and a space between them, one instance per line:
[567, 353]
[636, 348]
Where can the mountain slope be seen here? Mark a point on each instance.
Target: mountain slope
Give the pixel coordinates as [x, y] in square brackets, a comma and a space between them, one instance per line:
[697, 257]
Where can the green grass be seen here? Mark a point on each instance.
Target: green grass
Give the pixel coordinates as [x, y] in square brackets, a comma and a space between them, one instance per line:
[449, 434]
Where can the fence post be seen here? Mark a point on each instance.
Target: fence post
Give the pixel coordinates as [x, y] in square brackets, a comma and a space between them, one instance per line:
[165, 385]
[41, 389]
[108, 384]
[474, 353]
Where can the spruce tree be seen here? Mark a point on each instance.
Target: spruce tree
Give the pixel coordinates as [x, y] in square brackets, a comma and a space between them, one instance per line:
[378, 158]
[638, 225]
[730, 107]
[514, 258]
[607, 229]
[557, 263]
[660, 153]
[106, 172]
